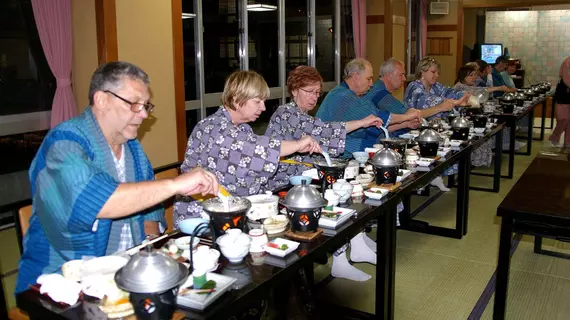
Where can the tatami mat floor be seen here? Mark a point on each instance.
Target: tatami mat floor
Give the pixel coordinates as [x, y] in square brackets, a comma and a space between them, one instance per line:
[440, 278]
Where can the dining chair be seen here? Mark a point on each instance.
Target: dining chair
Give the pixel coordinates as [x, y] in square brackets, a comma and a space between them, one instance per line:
[169, 203]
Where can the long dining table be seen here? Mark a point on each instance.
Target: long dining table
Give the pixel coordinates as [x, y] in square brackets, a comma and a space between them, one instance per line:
[265, 277]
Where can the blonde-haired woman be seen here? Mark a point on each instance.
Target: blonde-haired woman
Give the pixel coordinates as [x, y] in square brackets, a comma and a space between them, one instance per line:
[244, 163]
[425, 93]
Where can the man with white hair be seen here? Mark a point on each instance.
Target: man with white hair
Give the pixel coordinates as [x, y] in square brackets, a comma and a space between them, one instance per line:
[345, 103]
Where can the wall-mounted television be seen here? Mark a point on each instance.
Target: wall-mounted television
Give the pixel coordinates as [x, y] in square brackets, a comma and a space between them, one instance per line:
[491, 51]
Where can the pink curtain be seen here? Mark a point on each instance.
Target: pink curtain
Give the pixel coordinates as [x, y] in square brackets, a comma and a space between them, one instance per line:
[423, 27]
[53, 20]
[359, 27]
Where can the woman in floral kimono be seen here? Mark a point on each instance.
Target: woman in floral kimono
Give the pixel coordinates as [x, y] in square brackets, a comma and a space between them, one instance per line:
[244, 163]
[292, 121]
[426, 93]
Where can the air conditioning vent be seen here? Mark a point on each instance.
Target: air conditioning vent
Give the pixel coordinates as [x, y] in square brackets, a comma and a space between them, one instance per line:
[439, 8]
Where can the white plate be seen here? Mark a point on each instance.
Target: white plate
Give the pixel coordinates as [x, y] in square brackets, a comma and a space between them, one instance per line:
[183, 243]
[379, 194]
[291, 246]
[345, 214]
[455, 143]
[201, 301]
[479, 130]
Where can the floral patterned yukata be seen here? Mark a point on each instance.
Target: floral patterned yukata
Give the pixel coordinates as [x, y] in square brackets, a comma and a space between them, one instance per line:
[244, 163]
[289, 122]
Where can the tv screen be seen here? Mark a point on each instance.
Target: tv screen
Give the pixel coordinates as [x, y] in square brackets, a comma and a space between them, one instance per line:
[491, 51]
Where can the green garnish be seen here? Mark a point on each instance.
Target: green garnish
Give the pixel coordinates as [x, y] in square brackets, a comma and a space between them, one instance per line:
[210, 284]
[284, 247]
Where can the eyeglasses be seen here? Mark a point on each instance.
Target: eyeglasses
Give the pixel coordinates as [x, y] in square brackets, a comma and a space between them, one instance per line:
[315, 93]
[136, 107]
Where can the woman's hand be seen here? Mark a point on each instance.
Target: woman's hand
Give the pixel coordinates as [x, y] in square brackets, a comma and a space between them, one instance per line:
[464, 101]
[448, 104]
[308, 145]
[196, 181]
[371, 120]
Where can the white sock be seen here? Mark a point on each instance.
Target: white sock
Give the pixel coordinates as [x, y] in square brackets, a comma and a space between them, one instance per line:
[369, 242]
[341, 268]
[359, 250]
[438, 182]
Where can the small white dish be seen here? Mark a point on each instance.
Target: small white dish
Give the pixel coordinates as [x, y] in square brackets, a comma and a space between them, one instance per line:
[183, 243]
[424, 162]
[364, 178]
[291, 246]
[479, 130]
[201, 301]
[275, 224]
[375, 193]
[455, 143]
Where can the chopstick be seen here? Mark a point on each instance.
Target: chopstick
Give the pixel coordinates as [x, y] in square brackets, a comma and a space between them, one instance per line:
[186, 291]
[289, 161]
[134, 250]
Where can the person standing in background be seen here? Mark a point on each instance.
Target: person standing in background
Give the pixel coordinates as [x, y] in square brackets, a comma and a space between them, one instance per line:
[562, 98]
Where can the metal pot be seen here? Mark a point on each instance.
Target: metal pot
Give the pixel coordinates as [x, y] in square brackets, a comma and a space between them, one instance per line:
[479, 121]
[386, 162]
[519, 98]
[226, 216]
[152, 278]
[330, 174]
[436, 124]
[528, 93]
[544, 87]
[482, 95]
[396, 144]
[428, 141]
[548, 85]
[304, 206]
[537, 90]
[461, 128]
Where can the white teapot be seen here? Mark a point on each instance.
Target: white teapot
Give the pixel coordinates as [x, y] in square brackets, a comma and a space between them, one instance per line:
[343, 188]
[332, 198]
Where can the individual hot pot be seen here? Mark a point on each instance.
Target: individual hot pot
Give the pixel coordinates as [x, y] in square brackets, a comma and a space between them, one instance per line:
[330, 174]
[304, 207]
[227, 213]
[479, 121]
[519, 98]
[428, 141]
[507, 102]
[152, 279]
[396, 144]
[528, 94]
[460, 126]
[386, 163]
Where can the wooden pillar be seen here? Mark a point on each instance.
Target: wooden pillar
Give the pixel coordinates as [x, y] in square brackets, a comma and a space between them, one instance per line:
[459, 61]
[179, 96]
[106, 19]
[388, 29]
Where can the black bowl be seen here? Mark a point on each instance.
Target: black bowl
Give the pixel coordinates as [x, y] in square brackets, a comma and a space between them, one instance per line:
[428, 149]
[479, 121]
[154, 306]
[386, 175]
[304, 220]
[398, 145]
[508, 108]
[460, 134]
[329, 175]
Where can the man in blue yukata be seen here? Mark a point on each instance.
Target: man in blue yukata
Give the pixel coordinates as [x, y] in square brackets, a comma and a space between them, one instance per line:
[93, 187]
[496, 77]
[346, 103]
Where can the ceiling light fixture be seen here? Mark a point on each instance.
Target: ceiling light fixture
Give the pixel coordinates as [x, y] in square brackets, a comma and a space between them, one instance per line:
[188, 15]
[261, 7]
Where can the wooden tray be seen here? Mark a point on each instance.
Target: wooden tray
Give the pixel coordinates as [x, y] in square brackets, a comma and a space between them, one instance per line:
[303, 236]
[389, 187]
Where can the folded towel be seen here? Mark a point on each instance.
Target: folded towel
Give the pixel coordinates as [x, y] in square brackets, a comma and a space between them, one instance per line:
[59, 289]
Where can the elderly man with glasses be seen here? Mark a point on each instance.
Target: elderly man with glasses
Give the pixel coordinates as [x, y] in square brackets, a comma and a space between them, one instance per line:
[93, 187]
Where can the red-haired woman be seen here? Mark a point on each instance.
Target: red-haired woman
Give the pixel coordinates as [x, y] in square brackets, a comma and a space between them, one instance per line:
[292, 121]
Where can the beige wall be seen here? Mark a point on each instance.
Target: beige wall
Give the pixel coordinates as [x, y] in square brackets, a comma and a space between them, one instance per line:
[375, 35]
[448, 64]
[84, 49]
[144, 37]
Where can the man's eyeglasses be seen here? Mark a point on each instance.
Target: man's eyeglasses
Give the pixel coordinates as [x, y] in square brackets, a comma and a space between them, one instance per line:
[135, 106]
[315, 93]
